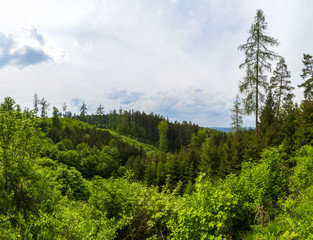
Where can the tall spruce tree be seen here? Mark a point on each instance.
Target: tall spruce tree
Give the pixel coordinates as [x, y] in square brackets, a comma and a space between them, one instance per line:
[44, 108]
[307, 75]
[280, 85]
[36, 102]
[64, 108]
[83, 110]
[236, 115]
[267, 121]
[163, 129]
[256, 65]
[100, 110]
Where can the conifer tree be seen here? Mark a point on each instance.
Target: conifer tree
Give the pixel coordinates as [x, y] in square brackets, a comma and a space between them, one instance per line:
[256, 64]
[267, 124]
[307, 75]
[280, 85]
[100, 110]
[44, 108]
[64, 108]
[36, 102]
[83, 110]
[163, 128]
[236, 116]
[55, 118]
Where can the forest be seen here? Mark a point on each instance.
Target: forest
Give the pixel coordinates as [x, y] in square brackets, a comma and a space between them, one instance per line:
[132, 175]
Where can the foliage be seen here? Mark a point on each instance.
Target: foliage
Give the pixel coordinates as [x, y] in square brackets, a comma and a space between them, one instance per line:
[206, 214]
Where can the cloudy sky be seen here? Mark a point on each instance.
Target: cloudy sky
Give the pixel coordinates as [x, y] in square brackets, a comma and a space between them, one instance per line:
[178, 58]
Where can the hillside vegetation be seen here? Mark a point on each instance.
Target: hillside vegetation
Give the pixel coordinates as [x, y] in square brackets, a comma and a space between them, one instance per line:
[62, 178]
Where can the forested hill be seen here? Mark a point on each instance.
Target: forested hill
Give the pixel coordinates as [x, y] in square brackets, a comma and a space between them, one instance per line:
[67, 179]
[144, 127]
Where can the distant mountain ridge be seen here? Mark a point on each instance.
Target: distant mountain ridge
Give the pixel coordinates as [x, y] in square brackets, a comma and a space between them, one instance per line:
[221, 129]
[225, 129]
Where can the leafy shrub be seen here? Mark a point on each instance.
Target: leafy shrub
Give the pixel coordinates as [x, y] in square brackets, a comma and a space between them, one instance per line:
[72, 183]
[206, 214]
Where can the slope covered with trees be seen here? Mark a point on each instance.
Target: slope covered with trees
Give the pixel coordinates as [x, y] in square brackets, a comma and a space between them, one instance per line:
[129, 175]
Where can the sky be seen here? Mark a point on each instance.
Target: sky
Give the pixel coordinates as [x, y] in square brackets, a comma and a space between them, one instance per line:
[177, 58]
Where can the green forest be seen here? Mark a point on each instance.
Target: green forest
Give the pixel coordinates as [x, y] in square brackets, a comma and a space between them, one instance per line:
[132, 175]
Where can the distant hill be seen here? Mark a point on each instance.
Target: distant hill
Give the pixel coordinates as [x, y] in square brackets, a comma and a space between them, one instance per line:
[222, 129]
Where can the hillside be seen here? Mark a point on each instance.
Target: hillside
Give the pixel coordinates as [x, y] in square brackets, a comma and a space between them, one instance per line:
[61, 177]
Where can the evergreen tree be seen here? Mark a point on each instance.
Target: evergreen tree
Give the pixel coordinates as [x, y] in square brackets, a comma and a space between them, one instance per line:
[163, 128]
[280, 85]
[236, 116]
[27, 112]
[44, 108]
[256, 64]
[64, 108]
[83, 110]
[55, 118]
[100, 110]
[267, 124]
[36, 102]
[210, 157]
[307, 75]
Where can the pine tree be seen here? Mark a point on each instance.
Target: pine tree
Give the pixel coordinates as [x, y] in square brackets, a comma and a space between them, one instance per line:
[44, 108]
[64, 108]
[267, 122]
[236, 116]
[55, 118]
[256, 64]
[36, 102]
[100, 110]
[163, 129]
[280, 85]
[83, 110]
[307, 75]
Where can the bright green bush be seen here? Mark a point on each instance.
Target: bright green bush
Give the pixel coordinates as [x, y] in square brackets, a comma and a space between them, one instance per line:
[69, 158]
[303, 171]
[72, 183]
[206, 214]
